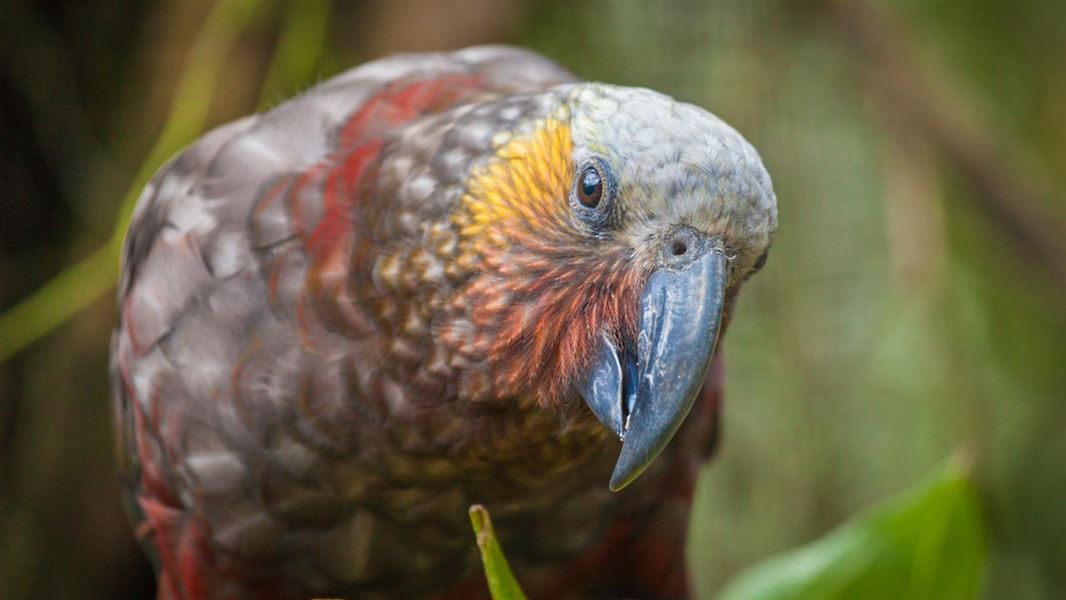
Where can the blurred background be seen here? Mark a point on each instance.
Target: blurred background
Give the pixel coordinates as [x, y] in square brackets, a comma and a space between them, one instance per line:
[912, 308]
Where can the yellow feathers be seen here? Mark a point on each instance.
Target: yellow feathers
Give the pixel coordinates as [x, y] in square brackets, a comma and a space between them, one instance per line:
[522, 188]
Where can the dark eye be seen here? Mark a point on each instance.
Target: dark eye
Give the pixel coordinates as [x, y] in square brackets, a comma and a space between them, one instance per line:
[590, 187]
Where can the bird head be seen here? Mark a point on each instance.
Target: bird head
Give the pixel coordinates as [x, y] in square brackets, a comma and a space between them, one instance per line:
[592, 252]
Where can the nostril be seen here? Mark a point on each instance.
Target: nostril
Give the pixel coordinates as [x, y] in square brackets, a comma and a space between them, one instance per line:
[679, 248]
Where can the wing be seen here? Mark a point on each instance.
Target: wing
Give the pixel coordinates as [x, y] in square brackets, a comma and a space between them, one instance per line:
[229, 374]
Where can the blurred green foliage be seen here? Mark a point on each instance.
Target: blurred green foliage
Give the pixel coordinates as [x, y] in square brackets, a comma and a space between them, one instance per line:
[926, 544]
[88, 280]
[912, 304]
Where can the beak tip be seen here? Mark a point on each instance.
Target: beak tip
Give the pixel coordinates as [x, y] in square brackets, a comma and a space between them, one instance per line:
[626, 470]
[618, 483]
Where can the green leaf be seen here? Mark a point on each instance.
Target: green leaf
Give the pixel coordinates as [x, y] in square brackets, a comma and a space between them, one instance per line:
[927, 543]
[502, 584]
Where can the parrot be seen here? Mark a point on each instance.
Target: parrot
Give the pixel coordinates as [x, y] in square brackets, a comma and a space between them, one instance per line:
[432, 281]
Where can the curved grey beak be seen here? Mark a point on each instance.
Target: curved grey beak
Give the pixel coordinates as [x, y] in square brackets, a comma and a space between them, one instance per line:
[645, 397]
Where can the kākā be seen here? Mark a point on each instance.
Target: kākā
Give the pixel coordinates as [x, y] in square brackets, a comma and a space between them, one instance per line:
[432, 281]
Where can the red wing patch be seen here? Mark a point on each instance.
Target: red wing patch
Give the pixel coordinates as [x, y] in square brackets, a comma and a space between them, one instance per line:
[316, 206]
[403, 101]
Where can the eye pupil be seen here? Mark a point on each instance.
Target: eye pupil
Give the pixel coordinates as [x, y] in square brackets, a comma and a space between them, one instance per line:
[591, 182]
[590, 187]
